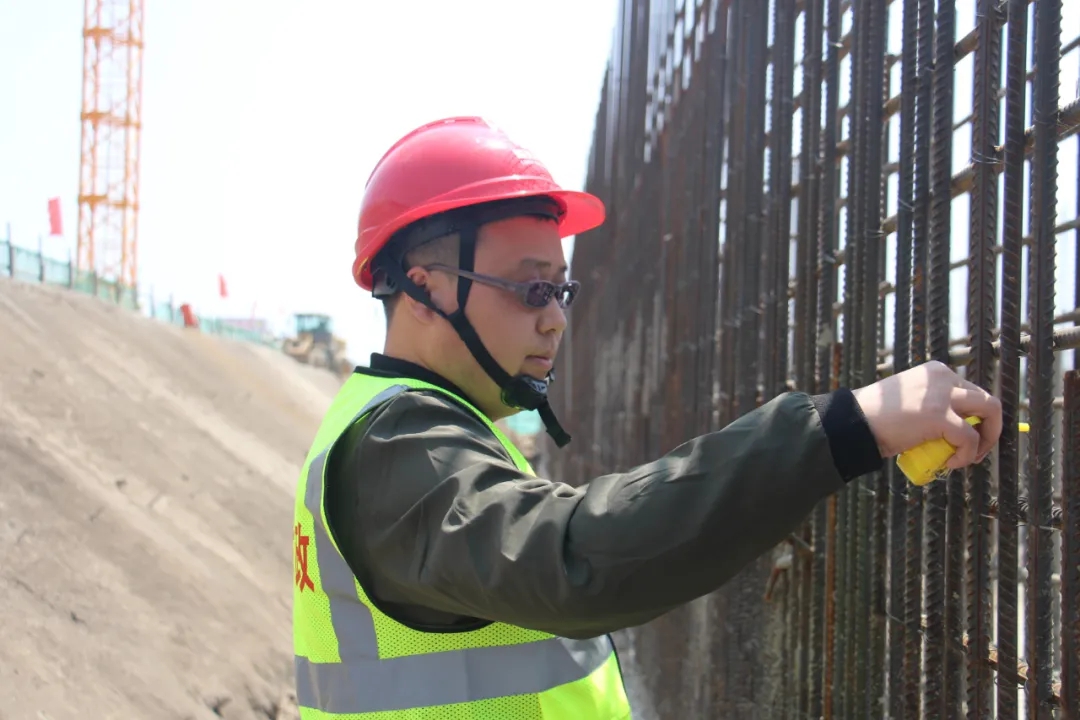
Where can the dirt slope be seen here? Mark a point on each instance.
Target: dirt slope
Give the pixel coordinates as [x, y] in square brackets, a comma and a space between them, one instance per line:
[146, 488]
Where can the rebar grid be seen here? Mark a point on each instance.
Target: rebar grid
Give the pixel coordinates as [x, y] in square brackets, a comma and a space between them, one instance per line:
[804, 194]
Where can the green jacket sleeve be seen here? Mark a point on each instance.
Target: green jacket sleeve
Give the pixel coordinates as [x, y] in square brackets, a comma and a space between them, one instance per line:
[440, 526]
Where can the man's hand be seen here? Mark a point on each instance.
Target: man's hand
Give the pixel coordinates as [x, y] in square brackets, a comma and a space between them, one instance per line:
[929, 402]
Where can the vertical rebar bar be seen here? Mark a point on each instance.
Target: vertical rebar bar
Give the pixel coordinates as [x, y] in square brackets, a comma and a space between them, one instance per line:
[1076, 245]
[941, 611]
[827, 328]
[822, 694]
[901, 543]
[735, 88]
[738, 182]
[853, 502]
[808, 241]
[781, 138]
[1070, 551]
[830, 364]
[828, 680]
[982, 297]
[720, 89]
[713, 88]
[916, 513]
[810, 179]
[854, 279]
[1040, 539]
[1011, 273]
[875, 486]
[749, 364]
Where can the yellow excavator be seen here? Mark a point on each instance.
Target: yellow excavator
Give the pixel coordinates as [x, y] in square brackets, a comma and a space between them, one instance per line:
[315, 344]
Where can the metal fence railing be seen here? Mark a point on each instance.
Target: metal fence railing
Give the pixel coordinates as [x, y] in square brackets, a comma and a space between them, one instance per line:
[35, 266]
[806, 193]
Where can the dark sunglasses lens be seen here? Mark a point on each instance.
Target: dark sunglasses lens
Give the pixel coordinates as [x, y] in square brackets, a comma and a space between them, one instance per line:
[540, 293]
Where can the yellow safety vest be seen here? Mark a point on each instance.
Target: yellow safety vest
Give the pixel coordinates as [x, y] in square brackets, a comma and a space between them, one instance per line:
[352, 661]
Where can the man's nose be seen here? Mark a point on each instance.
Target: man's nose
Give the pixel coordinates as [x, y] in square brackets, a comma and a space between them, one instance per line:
[552, 318]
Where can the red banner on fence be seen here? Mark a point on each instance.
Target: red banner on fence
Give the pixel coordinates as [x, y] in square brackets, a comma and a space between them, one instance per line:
[55, 227]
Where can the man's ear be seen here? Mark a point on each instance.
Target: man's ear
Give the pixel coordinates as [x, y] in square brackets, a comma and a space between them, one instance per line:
[422, 279]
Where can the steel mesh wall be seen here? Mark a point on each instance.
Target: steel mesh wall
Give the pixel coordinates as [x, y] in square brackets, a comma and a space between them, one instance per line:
[807, 193]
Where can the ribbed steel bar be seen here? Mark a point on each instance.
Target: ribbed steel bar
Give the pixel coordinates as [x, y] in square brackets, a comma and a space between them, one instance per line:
[851, 525]
[941, 610]
[854, 277]
[1076, 261]
[982, 297]
[749, 360]
[837, 613]
[767, 303]
[783, 81]
[900, 548]
[810, 177]
[719, 84]
[780, 179]
[1070, 550]
[819, 646]
[915, 598]
[700, 259]
[1040, 470]
[875, 485]
[1009, 369]
[830, 191]
[823, 692]
[1070, 562]
[858, 534]
[638, 202]
[711, 87]
[956, 520]
[811, 638]
[734, 251]
[734, 97]
[713, 82]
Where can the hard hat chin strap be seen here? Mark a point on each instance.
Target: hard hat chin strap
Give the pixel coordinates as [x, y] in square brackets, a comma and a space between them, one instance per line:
[521, 392]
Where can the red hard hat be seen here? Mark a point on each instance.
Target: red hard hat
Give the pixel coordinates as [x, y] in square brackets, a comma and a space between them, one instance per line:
[454, 163]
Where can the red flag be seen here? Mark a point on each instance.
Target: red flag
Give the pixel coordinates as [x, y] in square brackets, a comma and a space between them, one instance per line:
[221, 286]
[55, 227]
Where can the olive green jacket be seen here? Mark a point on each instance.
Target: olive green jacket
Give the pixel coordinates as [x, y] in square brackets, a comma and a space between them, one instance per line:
[444, 532]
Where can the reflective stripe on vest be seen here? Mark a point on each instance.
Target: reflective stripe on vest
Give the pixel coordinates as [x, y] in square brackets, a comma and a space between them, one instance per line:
[363, 681]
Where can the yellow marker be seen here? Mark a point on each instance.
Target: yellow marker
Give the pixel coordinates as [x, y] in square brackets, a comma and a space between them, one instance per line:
[926, 462]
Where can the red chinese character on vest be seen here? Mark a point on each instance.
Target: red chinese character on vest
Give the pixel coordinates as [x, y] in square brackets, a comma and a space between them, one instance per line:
[300, 560]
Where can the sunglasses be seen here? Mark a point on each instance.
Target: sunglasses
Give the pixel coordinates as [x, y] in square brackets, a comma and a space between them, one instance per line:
[532, 294]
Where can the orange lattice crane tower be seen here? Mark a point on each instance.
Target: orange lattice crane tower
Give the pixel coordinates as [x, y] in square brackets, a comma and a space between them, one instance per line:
[111, 128]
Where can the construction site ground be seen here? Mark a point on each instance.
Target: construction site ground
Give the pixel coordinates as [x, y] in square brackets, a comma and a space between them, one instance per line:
[147, 479]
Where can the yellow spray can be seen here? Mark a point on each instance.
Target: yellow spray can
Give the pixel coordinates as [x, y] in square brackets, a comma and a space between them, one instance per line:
[926, 462]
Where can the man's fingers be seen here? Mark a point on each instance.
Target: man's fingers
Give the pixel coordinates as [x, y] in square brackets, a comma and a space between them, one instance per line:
[964, 438]
[971, 400]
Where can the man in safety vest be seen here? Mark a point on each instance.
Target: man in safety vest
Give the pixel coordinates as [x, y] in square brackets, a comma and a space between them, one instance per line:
[435, 575]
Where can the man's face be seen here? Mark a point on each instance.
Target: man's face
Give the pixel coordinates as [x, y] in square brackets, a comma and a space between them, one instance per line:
[522, 339]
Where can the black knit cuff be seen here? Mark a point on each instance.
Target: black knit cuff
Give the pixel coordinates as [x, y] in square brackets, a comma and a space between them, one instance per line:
[854, 450]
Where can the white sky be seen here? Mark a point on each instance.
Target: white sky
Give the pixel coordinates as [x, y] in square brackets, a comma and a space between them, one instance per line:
[263, 120]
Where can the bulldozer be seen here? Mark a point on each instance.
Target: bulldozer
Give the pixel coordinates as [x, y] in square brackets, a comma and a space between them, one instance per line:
[315, 344]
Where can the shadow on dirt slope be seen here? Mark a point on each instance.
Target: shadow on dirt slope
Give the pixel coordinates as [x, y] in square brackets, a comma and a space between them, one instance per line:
[146, 489]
